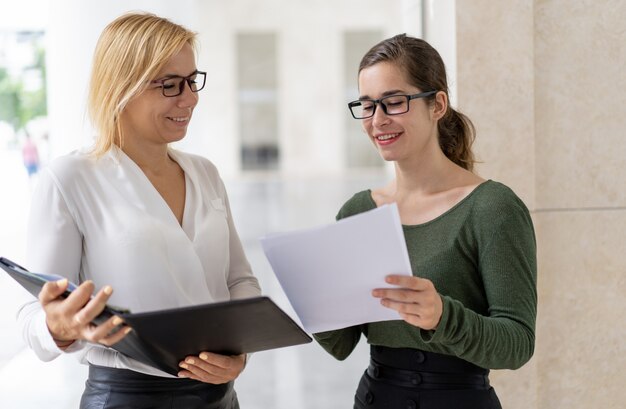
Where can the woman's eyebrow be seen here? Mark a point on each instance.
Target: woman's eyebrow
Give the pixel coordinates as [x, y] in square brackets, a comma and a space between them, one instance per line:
[165, 76]
[384, 94]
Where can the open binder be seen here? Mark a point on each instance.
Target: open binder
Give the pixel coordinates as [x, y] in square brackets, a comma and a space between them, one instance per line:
[163, 338]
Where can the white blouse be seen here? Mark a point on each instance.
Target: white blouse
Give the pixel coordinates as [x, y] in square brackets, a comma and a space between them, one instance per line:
[102, 220]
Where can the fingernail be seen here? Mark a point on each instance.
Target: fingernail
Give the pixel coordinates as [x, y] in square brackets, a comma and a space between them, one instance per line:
[181, 375]
[190, 361]
[62, 282]
[184, 366]
[204, 356]
[117, 320]
[108, 290]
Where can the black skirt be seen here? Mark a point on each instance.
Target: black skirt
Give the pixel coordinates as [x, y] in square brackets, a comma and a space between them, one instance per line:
[111, 388]
[409, 378]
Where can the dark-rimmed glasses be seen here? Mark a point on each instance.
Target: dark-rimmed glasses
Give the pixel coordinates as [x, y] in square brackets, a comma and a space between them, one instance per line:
[175, 85]
[392, 105]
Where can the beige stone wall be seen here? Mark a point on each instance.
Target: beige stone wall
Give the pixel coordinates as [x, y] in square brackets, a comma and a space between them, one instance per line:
[545, 83]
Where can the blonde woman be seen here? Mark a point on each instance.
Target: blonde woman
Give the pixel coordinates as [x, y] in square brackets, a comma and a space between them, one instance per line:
[148, 226]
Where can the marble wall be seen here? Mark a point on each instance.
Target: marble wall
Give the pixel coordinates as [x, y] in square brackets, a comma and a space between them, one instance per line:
[544, 83]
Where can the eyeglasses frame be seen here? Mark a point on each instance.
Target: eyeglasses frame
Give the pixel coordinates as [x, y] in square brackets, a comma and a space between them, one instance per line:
[378, 101]
[186, 80]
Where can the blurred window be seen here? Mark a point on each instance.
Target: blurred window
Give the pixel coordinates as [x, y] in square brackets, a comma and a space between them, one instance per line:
[257, 100]
[359, 149]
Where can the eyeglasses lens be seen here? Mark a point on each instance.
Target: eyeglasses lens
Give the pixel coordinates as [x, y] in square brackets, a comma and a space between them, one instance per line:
[175, 86]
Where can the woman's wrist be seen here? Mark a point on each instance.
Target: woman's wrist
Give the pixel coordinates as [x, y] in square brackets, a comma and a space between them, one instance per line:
[62, 344]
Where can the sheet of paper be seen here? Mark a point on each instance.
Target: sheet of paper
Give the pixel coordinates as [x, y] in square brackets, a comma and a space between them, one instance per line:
[328, 273]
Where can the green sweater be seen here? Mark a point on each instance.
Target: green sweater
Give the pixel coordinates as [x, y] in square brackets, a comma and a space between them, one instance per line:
[481, 257]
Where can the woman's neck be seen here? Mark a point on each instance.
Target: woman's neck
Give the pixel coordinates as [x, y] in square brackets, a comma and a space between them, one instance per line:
[430, 173]
[150, 158]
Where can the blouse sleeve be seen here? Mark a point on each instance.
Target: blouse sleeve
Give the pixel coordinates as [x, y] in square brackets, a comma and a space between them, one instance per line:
[54, 246]
[241, 282]
[504, 338]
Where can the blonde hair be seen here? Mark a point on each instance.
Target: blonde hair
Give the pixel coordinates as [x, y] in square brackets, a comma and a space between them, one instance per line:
[130, 52]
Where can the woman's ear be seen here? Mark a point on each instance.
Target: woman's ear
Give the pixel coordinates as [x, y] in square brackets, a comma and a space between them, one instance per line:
[440, 105]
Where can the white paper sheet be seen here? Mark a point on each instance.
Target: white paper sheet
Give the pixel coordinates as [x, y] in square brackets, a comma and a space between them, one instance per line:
[328, 273]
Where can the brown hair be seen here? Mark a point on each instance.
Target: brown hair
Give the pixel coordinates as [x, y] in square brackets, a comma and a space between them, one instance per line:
[131, 50]
[425, 70]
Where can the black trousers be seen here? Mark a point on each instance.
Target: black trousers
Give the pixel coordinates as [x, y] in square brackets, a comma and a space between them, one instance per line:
[110, 388]
[406, 378]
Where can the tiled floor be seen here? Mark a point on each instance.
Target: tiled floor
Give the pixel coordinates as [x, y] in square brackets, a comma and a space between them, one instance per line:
[302, 377]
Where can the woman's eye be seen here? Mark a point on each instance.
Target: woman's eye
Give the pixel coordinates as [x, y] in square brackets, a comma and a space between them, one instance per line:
[394, 103]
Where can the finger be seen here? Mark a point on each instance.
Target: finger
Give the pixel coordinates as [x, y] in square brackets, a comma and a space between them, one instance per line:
[220, 361]
[412, 282]
[52, 290]
[195, 362]
[206, 378]
[195, 368]
[223, 367]
[98, 333]
[117, 336]
[94, 307]
[398, 294]
[401, 307]
[425, 316]
[79, 298]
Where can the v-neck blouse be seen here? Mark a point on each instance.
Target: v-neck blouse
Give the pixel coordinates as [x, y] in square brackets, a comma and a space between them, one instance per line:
[103, 220]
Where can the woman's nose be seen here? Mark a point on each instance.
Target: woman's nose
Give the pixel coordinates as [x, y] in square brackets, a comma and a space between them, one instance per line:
[380, 117]
[187, 97]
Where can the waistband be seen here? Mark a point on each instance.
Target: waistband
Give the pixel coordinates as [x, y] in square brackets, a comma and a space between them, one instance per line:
[125, 380]
[417, 360]
[414, 368]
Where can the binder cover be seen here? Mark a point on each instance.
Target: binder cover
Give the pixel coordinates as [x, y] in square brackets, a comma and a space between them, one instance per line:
[163, 338]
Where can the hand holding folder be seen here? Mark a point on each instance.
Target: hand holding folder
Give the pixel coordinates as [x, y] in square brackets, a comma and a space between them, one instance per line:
[163, 338]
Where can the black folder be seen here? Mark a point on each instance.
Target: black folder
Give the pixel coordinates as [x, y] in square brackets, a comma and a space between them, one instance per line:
[164, 338]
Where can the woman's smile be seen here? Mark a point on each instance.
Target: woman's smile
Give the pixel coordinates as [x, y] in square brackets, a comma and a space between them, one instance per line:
[386, 138]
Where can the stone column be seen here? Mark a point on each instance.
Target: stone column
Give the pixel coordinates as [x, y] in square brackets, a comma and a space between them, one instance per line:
[580, 95]
[496, 90]
[543, 82]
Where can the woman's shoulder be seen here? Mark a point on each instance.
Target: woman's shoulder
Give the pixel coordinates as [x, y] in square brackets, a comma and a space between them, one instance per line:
[493, 193]
[494, 200]
[71, 165]
[360, 202]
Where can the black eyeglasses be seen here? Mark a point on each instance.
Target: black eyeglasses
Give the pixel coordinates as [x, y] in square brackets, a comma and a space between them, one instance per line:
[392, 105]
[174, 86]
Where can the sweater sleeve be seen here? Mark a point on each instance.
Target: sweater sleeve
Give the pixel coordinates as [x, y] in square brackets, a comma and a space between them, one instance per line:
[339, 343]
[507, 263]
[54, 246]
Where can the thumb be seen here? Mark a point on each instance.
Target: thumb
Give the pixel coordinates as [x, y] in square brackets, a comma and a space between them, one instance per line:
[52, 290]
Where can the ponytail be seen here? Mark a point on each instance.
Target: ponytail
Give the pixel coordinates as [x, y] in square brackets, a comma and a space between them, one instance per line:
[456, 136]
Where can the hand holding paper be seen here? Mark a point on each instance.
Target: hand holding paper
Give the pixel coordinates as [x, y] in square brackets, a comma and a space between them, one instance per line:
[416, 300]
[328, 273]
